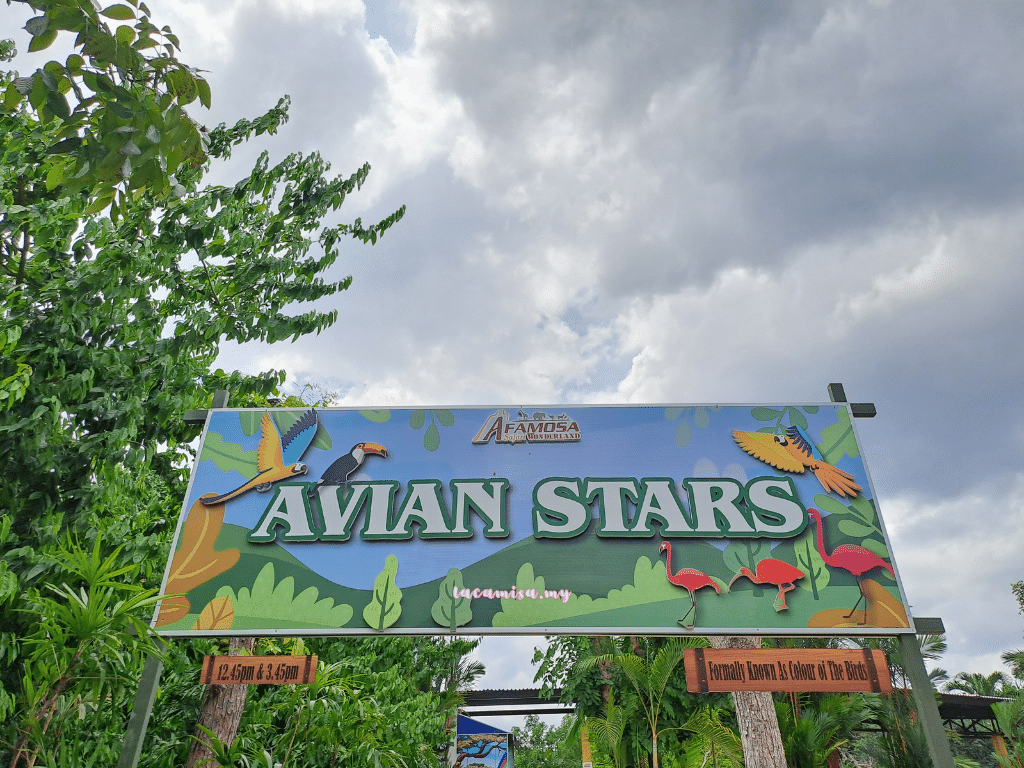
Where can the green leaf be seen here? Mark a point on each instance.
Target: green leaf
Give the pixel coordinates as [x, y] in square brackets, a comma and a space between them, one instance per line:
[855, 530]
[229, 456]
[830, 504]
[796, 418]
[37, 25]
[268, 600]
[671, 414]
[55, 175]
[417, 419]
[701, 418]
[447, 418]
[125, 35]
[378, 416]
[874, 545]
[118, 12]
[765, 414]
[249, 421]
[838, 439]
[385, 605]
[58, 105]
[683, 434]
[432, 438]
[205, 97]
[42, 41]
[449, 611]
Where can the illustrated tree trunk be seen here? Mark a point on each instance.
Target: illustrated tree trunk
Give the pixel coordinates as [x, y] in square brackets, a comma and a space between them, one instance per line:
[755, 714]
[221, 712]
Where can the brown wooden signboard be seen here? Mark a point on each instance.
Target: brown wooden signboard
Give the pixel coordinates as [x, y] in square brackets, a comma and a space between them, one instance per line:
[258, 670]
[786, 669]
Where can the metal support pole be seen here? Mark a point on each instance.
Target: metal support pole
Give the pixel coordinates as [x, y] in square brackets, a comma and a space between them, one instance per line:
[924, 696]
[142, 707]
[910, 651]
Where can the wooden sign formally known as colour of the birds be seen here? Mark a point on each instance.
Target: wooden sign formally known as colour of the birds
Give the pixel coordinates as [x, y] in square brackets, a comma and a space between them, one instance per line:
[277, 457]
[794, 452]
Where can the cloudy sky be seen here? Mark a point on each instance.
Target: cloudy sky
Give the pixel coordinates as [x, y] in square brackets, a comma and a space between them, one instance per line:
[692, 202]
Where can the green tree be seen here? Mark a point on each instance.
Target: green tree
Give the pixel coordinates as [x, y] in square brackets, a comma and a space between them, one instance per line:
[111, 317]
[977, 684]
[538, 745]
[116, 106]
[649, 680]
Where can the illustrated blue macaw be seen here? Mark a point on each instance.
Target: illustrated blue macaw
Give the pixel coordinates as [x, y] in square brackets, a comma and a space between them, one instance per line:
[277, 457]
[794, 452]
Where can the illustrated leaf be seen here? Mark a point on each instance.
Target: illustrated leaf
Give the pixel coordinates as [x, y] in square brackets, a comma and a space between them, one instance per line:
[865, 508]
[450, 611]
[417, 419]
[838, 439]
[884, 610]
[322, 440]
[854, 529]
[796, 418]
[218, 614]
[745, 554]
[811, 409]
[173, 609]
[830, 504]
[446, 417]
[432, 438]
[765, 414]
[386, 602]
[808, 559]
[701, 418]
[378, 416]
[879, 549]
[268, 600]
[683, 434]
[229, 457]
[196, 561]
[250, 422]
[671, 414]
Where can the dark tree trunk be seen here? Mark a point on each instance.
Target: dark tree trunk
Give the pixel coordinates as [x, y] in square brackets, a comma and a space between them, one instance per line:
[221, 712]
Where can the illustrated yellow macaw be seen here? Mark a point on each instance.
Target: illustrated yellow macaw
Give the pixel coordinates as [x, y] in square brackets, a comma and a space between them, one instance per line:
[794, 452]
[277, 457]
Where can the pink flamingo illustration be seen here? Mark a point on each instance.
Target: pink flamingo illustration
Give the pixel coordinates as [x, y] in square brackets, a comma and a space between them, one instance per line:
[689, 579]
[851, 558]
[774, 572]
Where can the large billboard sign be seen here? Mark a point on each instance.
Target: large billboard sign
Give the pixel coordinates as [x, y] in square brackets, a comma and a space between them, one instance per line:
[542, 520]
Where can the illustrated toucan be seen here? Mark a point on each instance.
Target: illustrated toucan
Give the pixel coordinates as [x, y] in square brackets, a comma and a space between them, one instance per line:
[339, 472]
[277, 457]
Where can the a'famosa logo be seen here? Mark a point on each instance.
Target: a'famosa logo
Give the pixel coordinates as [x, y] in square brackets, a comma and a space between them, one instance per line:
[538, 428]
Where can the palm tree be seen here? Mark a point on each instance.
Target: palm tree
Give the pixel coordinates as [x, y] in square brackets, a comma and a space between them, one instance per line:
[977, 684]
[609, 731]
[649, 680]
[1015, 661]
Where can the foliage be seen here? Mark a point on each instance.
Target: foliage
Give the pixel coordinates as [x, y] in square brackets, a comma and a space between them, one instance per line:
[125, 126]
[649, 679]
[813, 728]
[977, 684]
[538, 745]
[110, 325]
[1010, 718]
[89, 638]
[713, 744]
